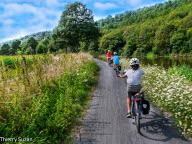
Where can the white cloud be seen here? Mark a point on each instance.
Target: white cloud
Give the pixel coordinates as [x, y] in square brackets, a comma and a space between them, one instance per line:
[12, 37]
[12, 33]
[104, 5]
[52, 3]
[23, 19]
[134, 2]
[96, 18]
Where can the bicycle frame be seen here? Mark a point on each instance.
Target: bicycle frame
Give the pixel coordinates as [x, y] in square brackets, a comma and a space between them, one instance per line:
[117, 71]
[136, 109]
[109, 62]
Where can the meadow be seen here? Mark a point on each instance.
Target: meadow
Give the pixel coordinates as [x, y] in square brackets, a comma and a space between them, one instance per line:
[42, 98]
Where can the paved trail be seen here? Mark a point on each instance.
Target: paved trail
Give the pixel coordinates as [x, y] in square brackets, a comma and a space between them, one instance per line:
[106, 122]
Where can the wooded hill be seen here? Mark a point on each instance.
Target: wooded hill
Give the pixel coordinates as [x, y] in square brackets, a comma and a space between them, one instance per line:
[38, 36]
[26, 44]
[162, 29]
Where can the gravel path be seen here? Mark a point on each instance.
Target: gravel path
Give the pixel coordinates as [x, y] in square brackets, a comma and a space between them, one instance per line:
[106, 122]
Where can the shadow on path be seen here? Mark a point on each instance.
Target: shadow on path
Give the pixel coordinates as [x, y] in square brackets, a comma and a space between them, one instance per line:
[153, 125]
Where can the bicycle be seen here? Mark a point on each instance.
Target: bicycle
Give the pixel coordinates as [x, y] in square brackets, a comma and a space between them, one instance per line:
[138, 106]
[110, 62]
[117, 70]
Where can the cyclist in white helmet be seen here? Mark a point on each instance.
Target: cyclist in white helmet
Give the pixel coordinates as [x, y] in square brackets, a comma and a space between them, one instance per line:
[109, 55]
[134, 76]
[116, 59]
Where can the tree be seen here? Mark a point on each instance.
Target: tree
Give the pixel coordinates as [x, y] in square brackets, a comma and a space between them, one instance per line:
[162, 41]
[5, 49]
[41, 48]
[15, 45]
[190, 46]
[52, 47]
[76, 24]
[129, 48]
[45, 42]
[93, 47]
[177, 42]
[31, 45]
[112, 41]
[145, 38]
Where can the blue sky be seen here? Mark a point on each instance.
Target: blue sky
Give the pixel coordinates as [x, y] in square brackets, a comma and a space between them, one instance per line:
[23, 17]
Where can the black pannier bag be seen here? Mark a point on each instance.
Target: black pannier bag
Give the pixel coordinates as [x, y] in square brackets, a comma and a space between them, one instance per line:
[145, 106]
[119, 67]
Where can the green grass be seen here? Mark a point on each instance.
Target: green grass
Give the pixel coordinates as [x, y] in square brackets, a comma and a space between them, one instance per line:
[184, 70]
[11, 62]
[150, 55]
[49, 111]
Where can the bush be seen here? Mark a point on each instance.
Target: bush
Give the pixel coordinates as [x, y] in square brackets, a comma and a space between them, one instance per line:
[12, 62]
[8, 62]
[184, 70]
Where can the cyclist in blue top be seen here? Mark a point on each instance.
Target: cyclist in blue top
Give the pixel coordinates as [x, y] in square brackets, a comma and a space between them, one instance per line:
[116, 59]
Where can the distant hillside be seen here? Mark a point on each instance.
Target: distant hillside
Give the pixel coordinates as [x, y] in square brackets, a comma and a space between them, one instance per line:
[38, 36]
[162, 29]
[142, 14]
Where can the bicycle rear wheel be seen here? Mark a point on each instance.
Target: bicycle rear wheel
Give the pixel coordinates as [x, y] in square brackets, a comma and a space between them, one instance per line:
[117, 72]
[109, 63]
[137, 115]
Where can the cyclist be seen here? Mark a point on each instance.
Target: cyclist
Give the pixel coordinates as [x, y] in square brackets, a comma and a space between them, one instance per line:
[116, 59]
[134, 76]
[108, 55]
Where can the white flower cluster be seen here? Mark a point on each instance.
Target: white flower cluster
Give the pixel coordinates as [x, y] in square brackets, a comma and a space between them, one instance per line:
[171, 92]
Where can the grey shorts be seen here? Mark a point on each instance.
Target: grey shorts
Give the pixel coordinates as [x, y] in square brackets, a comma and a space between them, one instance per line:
[133, 89]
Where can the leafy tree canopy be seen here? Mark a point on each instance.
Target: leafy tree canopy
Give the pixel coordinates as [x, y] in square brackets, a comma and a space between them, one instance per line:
[5, 49]
[76, 24]
[31, 44]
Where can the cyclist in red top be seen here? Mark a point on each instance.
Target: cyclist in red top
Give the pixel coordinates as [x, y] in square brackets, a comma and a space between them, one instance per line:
[108, 55]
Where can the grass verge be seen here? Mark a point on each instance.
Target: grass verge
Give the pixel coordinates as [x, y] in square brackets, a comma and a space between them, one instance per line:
[46, 112]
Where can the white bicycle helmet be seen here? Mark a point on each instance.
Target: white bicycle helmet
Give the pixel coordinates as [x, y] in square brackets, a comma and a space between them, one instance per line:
[115, 53]
[108, 50]
[134, 61]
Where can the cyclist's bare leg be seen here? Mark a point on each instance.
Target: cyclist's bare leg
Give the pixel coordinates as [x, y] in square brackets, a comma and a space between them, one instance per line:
[129, 107]
[128, 103]
[108, 59]
[115, 65]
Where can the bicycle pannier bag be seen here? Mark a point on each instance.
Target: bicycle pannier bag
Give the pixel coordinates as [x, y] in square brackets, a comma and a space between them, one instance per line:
[145, 106]
[119, 67]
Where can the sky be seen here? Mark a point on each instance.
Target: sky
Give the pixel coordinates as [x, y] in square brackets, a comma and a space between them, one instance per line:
[19, 18]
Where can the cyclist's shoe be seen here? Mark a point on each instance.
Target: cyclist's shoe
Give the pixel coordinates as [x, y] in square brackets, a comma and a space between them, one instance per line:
[129, 115]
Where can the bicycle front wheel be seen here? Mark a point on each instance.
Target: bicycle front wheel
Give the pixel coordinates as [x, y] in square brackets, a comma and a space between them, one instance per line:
[137, 119]
[117, 72]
